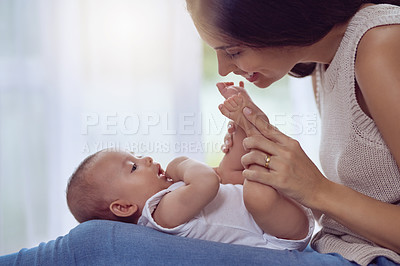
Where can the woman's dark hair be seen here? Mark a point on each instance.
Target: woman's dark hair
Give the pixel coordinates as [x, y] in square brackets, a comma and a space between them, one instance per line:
[272, 23]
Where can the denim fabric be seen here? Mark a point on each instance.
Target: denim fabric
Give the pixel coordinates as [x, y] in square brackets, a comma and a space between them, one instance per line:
[113, 243]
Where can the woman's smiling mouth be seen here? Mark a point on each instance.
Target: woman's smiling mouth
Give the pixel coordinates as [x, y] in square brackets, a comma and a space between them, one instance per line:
[251, 77]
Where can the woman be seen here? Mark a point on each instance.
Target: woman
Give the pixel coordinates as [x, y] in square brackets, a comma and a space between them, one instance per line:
[355, 65]
[351, 49]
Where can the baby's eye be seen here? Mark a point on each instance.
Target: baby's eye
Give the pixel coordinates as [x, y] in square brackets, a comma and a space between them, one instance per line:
[134, 167]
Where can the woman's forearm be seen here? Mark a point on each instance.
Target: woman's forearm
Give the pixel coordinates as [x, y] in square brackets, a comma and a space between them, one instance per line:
[375, 220]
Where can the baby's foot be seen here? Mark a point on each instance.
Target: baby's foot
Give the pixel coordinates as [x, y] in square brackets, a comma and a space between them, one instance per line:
[232, 108]
[227, 90]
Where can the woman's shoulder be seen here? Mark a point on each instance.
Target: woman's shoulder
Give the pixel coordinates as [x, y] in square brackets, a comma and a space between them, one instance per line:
[377, 70]
[378, 49]
[374, 26]
[376, 39]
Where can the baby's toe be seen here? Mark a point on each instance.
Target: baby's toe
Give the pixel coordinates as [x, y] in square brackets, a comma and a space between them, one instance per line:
[238, 99]
[225, 110]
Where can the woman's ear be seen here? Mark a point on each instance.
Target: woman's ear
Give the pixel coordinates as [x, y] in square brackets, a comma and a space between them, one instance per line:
[122, 208]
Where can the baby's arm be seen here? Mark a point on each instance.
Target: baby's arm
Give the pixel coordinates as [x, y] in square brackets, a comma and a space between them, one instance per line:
[182, 204]
[274, 213]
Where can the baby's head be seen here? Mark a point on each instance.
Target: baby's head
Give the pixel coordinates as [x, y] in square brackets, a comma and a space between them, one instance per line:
[113, 185]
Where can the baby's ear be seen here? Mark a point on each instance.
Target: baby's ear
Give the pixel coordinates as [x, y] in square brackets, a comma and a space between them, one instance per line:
[122, 208]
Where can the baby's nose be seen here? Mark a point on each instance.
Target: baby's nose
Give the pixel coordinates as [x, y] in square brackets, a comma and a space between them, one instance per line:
[148, 160]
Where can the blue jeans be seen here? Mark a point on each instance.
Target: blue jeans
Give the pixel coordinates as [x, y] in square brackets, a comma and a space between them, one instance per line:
[113, 243]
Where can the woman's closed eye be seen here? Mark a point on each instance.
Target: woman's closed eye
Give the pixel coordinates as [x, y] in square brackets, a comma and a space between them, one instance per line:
[233, 55]
[134, 167]
[233, 52]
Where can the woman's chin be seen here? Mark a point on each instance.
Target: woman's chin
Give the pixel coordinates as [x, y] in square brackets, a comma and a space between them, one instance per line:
[262, 84]
[264, 81]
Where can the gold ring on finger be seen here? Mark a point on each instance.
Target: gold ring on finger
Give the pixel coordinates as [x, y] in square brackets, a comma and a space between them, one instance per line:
[267, 161]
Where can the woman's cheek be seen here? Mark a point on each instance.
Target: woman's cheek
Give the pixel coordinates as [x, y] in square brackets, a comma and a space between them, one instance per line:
[246, 65]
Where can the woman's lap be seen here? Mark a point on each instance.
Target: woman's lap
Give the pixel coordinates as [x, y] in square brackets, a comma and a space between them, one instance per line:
[141, 245]
[113, 243]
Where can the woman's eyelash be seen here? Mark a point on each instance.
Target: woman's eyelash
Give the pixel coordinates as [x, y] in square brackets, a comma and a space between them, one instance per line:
[134, 166]
[233, 54]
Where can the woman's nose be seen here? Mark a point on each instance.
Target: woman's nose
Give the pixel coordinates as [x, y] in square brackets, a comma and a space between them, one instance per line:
[225, 64]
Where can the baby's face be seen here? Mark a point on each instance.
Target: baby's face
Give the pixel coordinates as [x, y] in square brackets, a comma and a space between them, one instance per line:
[122, 175]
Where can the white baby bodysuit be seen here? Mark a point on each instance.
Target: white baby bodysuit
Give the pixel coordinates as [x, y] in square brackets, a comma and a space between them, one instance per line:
[225, 219]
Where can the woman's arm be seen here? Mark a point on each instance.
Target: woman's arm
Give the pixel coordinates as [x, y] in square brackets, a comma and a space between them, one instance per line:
[317, 214]
[182, 204]
[378, 76]
[293, 173]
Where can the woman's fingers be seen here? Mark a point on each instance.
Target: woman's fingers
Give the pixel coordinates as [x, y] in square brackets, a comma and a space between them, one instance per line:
[261, 122]
[227, 143]
[253, 157]
[228, 139]
[259, 142]
[258, 174]
[231, 127]
[257, 157]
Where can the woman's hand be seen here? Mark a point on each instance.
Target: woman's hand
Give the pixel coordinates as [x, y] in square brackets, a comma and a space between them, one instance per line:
[289, 170]
[228, 139]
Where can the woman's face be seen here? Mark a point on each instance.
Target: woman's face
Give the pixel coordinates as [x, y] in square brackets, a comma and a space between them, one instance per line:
[261, 66]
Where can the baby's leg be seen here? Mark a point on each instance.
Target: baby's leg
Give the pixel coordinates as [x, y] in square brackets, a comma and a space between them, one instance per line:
[258, 198]
[232, 108]
[275, 214]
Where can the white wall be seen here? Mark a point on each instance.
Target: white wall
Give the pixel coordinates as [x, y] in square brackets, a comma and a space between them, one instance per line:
[78, 76]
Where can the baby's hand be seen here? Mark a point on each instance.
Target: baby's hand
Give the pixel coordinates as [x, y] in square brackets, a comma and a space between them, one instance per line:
[174, 170]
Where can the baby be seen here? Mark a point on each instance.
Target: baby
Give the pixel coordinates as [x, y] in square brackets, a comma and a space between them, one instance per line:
[189, 198]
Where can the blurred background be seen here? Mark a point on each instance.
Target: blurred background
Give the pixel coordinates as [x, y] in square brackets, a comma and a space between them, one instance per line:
[78, 76]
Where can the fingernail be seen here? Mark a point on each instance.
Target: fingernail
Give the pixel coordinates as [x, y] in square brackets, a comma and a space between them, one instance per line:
[247, 111]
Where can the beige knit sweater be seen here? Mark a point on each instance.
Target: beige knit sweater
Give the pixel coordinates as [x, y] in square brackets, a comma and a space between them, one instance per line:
[353, 152]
